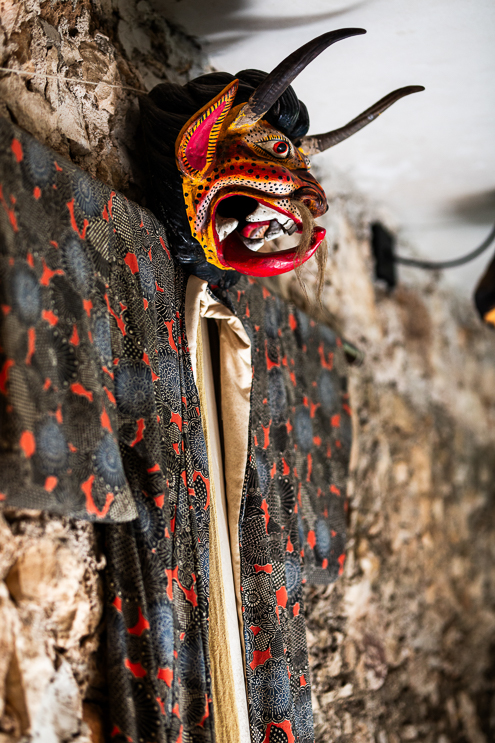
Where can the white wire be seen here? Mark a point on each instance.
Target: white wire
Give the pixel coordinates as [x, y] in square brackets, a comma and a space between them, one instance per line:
[69, 79]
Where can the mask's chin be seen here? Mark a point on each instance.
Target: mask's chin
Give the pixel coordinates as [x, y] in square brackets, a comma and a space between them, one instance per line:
[241, 227]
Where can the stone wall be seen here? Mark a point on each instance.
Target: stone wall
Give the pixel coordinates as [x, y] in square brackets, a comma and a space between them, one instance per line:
[402, 646]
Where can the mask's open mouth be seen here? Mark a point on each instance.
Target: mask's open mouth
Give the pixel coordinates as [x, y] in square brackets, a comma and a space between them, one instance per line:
[243, 224]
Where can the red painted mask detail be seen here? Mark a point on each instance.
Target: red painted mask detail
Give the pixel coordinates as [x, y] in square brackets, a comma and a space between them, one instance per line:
[256, 163]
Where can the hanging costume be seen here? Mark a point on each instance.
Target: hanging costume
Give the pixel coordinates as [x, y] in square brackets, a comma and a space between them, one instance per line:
[100, 387]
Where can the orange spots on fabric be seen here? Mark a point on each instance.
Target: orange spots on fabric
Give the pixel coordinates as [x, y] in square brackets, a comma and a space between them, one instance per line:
[51, 483]
[335, 420]
[292, 378]
[341, 561]
[260, 657]
[313, 407]
[263, 568]
[189, 593]
[177, 419]
[324, 564]
[88, 306]
[27, 443]
[165, 674]
[282, 597]
[49, 317]
[159, 501]
[273, 470]
[37, 192]
[285, 726]
[48, 273]
[110, 395]
[9, 211]
[169, 325]
[81, 233]
[162, 705]
[266, 435]
[78, 389]
[335, 490]
[290, 546]
[296, 609]
[140, 430]
[311, 539]
[58, 415]
[16, 148]
[74, 339]
[207, 485]
[302, 680]
[141, 625]
[105, 420]
[310, 468]
[132, 262]
[117, 602]
[155, 468]
[264, 506]
[136, 669]
[162, 243]
[206, 714]
[119, 321]
[91, 507]
[316, 441]
[286, 468]
[31, 336]
[323, 361]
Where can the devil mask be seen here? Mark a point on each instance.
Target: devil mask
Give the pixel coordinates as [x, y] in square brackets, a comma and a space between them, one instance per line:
[228, 166]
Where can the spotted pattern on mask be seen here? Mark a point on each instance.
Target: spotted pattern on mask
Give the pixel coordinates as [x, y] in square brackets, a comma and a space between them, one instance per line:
[240, 167]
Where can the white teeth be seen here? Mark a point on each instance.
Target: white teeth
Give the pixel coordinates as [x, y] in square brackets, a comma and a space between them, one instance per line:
[264, 213]
[225, 226]
[252, 244]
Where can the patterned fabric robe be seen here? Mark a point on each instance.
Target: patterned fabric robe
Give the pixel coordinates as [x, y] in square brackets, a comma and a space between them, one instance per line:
[101, 421]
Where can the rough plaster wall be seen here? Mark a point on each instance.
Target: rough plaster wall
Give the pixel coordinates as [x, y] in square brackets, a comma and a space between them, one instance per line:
[402, 646]
[50, 568]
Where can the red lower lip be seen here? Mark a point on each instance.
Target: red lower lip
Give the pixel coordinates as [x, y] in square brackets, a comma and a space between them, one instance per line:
[235, 254]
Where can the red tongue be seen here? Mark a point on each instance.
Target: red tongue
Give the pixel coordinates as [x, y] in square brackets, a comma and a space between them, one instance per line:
[252, 228]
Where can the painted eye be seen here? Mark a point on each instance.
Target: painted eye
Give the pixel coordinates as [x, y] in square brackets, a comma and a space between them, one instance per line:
[280, 148]
[277, 147]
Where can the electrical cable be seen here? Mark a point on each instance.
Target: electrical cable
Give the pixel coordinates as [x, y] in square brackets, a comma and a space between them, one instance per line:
[436, 265]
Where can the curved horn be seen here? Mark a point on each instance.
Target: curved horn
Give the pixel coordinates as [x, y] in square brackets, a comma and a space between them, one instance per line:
[320, 142]
[281, 77]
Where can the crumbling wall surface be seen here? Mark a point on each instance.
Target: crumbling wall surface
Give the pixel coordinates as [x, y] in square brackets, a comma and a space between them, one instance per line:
[402, 646]
[50, 567]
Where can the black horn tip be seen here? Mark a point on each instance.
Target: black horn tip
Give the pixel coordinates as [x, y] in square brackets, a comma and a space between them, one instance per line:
[413, 89]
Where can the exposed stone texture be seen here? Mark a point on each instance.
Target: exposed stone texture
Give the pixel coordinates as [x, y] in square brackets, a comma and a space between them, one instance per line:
[50, 613]
[402, 646]
[105, 42]
[50, 584]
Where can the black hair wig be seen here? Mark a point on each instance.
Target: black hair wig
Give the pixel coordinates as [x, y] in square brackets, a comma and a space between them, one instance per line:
[164, 112]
